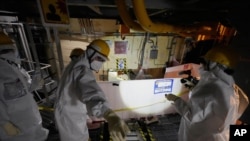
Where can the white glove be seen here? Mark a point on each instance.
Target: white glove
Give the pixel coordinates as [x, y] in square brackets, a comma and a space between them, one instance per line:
[171, 97]
[118, 129]
[37, 80]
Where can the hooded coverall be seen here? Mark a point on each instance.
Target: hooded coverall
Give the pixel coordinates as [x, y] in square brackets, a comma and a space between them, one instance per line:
[213, 106]
[78, 95]
[20, 119]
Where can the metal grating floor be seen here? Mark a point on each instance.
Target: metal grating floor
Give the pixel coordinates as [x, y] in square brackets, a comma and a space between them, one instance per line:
[165, 128]
[156, 128]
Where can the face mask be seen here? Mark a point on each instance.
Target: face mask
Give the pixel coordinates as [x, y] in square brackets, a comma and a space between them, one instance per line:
[96, 65]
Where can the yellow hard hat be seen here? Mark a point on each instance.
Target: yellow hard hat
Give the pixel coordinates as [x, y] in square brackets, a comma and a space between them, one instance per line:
[76, 52]
[223, 55]
[100, 46]
[4, 39]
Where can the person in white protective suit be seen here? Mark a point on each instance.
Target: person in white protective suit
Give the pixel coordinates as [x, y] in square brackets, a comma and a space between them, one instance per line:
[20, 119]
[215, 102]
[79, 96]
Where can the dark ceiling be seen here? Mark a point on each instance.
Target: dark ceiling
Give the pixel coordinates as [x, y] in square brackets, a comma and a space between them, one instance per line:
[178, 12]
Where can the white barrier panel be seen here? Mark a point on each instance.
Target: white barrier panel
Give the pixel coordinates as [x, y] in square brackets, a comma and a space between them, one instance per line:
[139, 98]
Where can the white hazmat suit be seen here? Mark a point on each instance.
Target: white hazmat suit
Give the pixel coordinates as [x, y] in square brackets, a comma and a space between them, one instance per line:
[79, 95]
[213, 106]
[20, 119]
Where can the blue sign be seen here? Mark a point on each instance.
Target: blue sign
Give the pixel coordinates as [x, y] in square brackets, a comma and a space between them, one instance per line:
[163, 86]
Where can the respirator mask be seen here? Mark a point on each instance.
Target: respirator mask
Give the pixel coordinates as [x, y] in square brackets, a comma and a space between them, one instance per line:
[96, 65]
[96, 60]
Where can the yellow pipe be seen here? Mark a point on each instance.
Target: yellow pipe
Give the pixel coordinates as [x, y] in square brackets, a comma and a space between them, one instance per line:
[126, 18]
[145, 21]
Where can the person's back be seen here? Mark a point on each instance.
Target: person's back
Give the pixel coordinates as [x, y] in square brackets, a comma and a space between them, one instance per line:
[69, 104]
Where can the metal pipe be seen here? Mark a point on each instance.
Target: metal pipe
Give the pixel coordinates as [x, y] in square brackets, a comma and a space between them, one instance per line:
[92, 27]
[146, 23]
[24, 41]
[143, 48]
[171, 49]
[183, 53]
[84, 26]
[47, 29]
[59, 49]
[26, 45]
[88, 26]
[126, 18]
[32, 45]
[34, 51]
